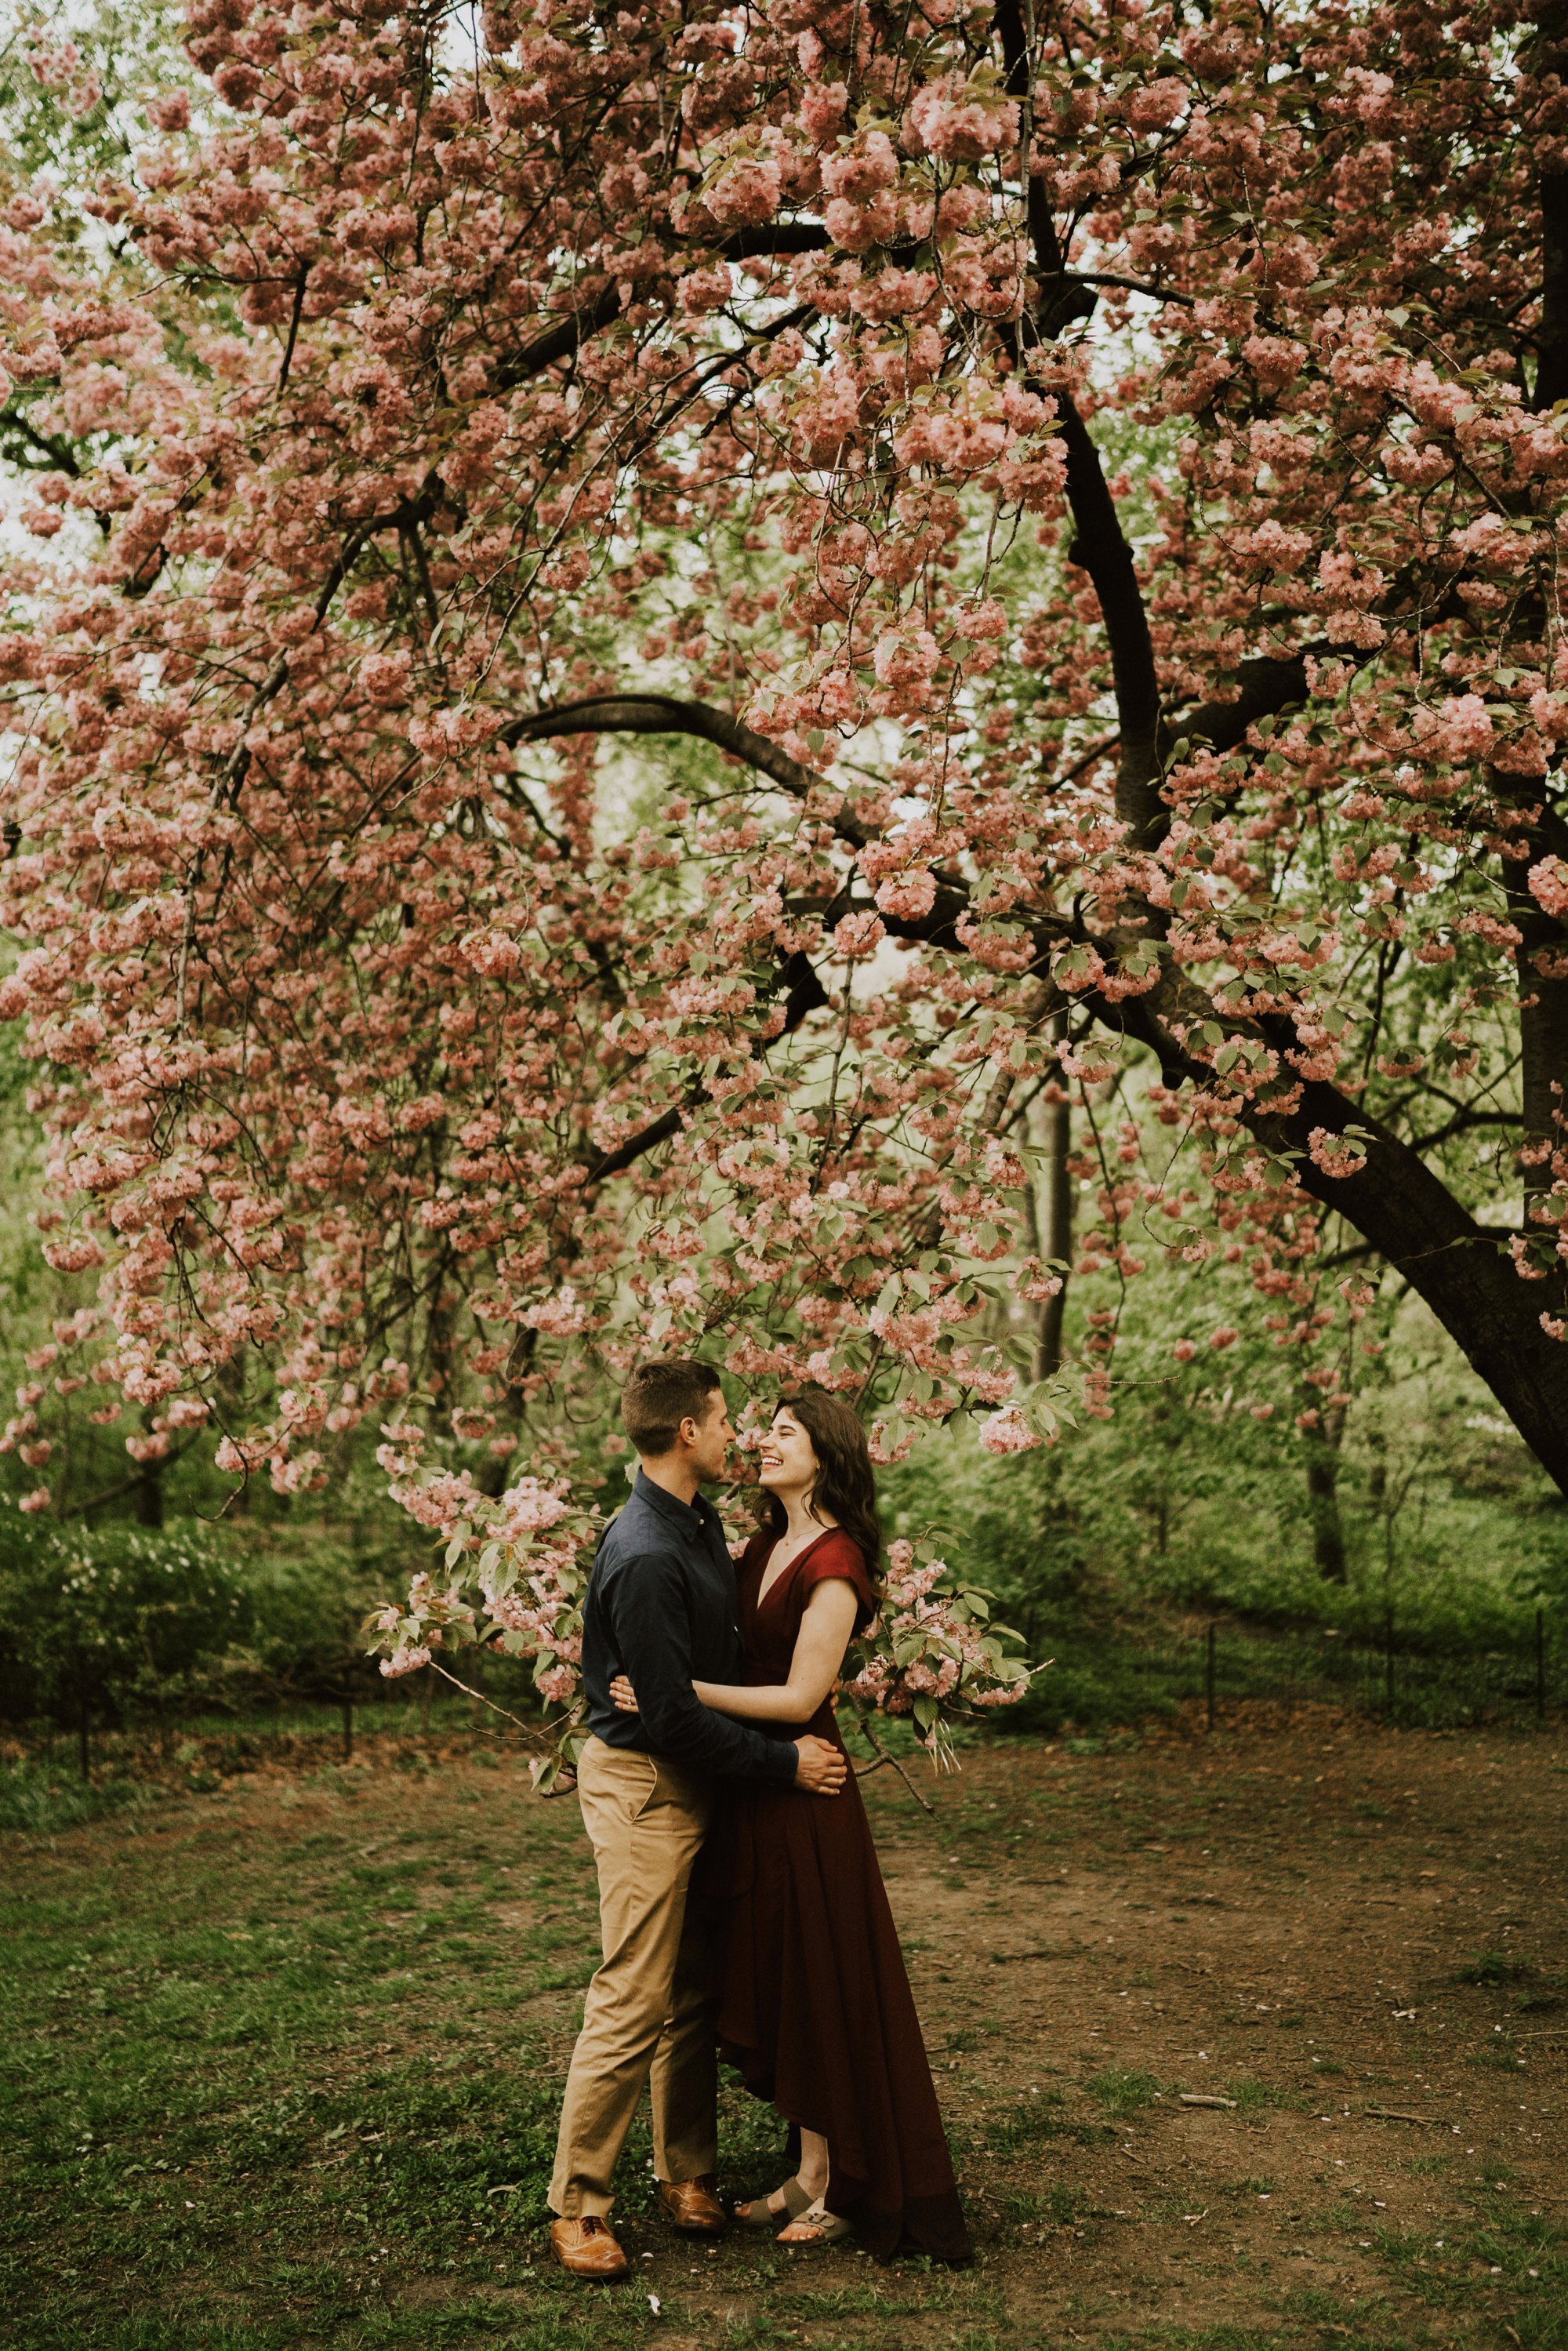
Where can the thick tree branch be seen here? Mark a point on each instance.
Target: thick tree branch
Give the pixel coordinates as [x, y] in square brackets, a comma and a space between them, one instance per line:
[1099, 544]
[1460, 1268]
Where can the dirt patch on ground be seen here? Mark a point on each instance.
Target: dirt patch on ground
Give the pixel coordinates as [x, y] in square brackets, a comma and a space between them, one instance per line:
[1249, 2040]
[1354, 1936]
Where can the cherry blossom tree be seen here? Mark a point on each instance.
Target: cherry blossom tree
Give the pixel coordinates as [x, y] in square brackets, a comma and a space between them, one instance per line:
[1070, 497]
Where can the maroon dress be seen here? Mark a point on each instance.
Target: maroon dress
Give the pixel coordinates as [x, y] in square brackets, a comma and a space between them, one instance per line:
[815, 2006]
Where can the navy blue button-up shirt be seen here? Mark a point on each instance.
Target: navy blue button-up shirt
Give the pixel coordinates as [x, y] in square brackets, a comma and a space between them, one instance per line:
[661, 1607]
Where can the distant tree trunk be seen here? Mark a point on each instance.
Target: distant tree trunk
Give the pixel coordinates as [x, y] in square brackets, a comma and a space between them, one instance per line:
[1056, 1232]
[149, 1488]
[1322, 1441]
[1323, 1505]
[230, 1382]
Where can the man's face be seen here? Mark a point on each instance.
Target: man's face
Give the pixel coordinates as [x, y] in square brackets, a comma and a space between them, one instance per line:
[713, 1438]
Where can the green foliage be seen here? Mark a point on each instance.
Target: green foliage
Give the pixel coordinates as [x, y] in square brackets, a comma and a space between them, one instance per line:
[125, 1621]
[42, 1797]
[1490, 1968]
[1196, 1500]
[117, 1617]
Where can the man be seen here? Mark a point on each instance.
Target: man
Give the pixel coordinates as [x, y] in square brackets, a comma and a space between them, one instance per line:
[659, 1606]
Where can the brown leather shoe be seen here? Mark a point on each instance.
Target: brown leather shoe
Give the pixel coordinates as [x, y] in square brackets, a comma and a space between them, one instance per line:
[693, 2206]
[588, 2247]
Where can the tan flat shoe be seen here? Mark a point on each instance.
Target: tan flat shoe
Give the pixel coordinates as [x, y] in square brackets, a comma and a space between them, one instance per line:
[815, 2226]
[759, 2212]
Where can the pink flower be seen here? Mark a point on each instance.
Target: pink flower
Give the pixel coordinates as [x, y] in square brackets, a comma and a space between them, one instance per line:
[747, 190]
[404, 1660]
[906, 657]
[1009, 1431]
[1334, 1154]
[385, 678]
[1548, 886]
[38, 1500]
[864, 170]
[1157, 104]
[908, 897]
[858, 935]
[961, 121]
[493, 954]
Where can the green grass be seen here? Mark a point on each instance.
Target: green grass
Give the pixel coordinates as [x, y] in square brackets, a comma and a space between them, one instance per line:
[279, 2071]
[1122, 2093]
[282, 2073]
[1491, 1968]
[38, 1799]
[290, 2079]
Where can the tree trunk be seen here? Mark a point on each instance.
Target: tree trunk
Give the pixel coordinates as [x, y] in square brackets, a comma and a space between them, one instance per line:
[150, 1490]
[1322, 1498]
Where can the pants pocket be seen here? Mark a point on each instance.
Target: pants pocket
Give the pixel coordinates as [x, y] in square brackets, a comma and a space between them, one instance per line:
[652, 1796]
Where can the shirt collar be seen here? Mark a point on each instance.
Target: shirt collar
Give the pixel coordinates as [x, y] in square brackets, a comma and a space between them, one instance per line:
[690, 1517]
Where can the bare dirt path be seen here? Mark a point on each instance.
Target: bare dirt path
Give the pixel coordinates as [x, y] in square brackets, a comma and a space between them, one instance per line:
[1356, 1935]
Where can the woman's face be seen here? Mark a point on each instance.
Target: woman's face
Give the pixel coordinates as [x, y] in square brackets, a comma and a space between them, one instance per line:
[786, 1462]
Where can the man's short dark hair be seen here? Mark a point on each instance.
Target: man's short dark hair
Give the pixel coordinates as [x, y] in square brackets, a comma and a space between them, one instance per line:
[659, 1397]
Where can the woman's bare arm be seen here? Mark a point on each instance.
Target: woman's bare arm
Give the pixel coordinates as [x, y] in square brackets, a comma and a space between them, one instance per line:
[826, 1625]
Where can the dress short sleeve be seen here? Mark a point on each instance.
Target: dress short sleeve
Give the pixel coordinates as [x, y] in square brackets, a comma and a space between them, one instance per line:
[837, 1560]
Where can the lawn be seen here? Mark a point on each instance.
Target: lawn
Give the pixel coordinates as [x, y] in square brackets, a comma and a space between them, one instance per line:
[281, 2060]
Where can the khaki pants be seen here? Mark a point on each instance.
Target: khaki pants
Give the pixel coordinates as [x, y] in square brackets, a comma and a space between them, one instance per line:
[647, 2017]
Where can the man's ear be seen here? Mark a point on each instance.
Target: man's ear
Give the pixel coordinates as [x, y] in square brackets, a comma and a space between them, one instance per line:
[687, 1433]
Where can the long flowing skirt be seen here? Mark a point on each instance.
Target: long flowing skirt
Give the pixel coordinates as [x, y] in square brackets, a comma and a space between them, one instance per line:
[816, 2010]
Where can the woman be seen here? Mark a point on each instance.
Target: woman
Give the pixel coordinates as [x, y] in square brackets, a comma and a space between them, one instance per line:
[815, 2006]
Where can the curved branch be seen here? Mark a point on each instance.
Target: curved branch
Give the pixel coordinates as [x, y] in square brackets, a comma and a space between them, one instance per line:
[667, 714]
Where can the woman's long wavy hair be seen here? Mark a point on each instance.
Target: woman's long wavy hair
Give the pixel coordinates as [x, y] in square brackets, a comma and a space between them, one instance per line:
[845, 1485]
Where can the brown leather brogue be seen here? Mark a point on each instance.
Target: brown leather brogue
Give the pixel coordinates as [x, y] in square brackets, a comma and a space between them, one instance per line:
[693, 2206]
[588, 2247]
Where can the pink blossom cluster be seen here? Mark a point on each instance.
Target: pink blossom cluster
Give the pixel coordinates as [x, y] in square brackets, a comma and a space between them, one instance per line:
[932, 1651]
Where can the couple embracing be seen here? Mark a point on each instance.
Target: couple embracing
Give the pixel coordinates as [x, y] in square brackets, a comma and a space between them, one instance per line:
[715, 1750]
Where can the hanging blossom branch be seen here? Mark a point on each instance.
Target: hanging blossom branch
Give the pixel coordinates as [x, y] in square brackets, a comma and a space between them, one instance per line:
[515, 1572]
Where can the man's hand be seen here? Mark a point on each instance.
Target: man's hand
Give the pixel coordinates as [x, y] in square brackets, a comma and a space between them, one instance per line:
[819, 1767]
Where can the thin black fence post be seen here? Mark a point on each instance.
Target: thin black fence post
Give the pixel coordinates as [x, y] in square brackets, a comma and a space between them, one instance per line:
[1541, 1664]
[1208, 1674]
[84, 1735]
[347, 1724]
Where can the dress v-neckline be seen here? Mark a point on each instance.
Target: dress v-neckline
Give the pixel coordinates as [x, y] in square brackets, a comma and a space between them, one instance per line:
[765, 1589]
